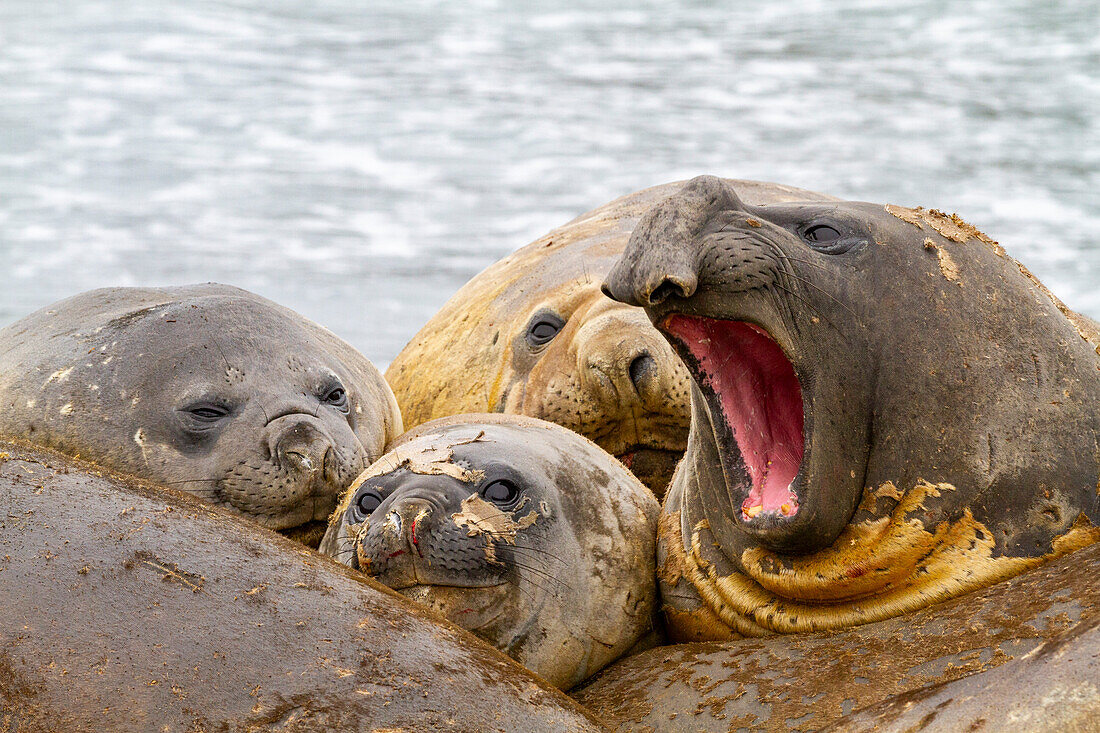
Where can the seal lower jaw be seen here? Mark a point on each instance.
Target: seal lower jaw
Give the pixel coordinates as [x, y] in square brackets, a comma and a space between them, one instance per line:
[473, 608]
[653, 466]
[755, 400]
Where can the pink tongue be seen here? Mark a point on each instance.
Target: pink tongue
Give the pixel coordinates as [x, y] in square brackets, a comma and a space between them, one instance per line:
[761, 401]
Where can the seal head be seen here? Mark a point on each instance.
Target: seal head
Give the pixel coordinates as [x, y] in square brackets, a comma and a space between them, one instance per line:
[533, 335]
[518, 530]
[881, 396]
[205, 388]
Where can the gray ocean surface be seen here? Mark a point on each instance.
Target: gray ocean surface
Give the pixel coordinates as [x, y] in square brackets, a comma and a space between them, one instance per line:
[359, 161]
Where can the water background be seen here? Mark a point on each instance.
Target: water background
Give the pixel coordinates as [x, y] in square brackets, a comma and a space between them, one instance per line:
[359, 161]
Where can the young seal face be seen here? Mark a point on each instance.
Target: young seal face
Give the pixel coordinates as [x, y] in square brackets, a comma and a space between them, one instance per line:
[518, 530]
[534, 335]
[209, 389]
[887, 410]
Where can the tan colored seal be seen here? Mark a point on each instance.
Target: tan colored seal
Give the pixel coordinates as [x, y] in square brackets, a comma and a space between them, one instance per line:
[534, 335]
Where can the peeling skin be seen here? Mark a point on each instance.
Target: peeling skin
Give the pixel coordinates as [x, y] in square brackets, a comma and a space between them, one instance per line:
[948, 268]
[480, 517]
[948, 432]
[561, 579]
[952, 227]
[435, 460]
[818, 678]
[877, 569]
[949, 226]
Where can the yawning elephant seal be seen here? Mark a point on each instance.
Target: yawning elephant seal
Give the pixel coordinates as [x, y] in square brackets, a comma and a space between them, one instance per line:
[516, 529]
[207, 388]
[534, 335]
[888, 411]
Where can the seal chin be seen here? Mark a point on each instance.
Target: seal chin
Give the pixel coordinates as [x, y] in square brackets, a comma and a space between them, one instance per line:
[755, 401]
[309, 534]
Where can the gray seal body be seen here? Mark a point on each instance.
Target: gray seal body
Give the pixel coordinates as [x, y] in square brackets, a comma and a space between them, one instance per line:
[206, 388]
[517, 529]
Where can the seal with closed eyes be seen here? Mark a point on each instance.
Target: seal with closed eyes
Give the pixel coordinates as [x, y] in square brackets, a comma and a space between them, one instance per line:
[888, 411]
[533, 335]
[207, 388]
[516, 529]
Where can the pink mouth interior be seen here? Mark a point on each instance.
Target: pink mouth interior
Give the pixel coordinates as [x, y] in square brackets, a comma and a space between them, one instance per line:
[760, 399]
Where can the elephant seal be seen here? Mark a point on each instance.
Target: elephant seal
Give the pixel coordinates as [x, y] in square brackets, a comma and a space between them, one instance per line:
[888, 411]
[1053, 689]
[534, 335]
[207, 388]
[516, 529]
[806, 682]
[130, 607]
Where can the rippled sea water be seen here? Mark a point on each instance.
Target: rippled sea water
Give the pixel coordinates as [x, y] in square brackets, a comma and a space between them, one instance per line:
[358, 161]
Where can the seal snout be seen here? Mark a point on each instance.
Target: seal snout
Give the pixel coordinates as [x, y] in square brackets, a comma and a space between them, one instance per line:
[661, 259]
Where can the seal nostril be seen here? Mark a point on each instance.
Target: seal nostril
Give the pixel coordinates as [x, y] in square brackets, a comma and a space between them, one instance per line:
[300, 460]
[671, 287]
[642, 368]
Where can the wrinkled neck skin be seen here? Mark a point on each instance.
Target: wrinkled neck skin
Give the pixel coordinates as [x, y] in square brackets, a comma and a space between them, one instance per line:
[950, 413]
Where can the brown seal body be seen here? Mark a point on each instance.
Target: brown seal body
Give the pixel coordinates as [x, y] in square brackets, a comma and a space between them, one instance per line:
[1055, 688]
[888, 411]
[207, 388]
[126, 607]
[533, 335]
[517, 529]
[979, 644]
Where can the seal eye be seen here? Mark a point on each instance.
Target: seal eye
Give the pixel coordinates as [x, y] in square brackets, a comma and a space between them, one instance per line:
[337, 397]
[208, 413]
[543, 328]
[821, 234]
[367, 502]
[501, 492]
[201, 417]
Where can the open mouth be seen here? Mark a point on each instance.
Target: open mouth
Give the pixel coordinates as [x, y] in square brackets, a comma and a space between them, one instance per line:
[752, 385]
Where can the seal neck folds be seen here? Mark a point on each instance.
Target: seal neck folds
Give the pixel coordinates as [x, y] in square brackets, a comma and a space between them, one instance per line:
[752, 385]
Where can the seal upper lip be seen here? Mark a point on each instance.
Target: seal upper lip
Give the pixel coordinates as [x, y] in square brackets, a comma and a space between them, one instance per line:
[752, 385]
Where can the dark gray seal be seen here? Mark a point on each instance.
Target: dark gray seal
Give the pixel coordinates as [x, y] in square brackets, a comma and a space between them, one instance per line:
[129, 607]
[888, 411]
[206, 388]
[517, 529]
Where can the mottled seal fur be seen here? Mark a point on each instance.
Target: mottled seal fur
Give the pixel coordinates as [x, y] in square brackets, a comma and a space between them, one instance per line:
[1055, 688]
[808, 681]
[888, 411]
[534, 335]
[517, 529]
[207, 388]
[128, 607]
